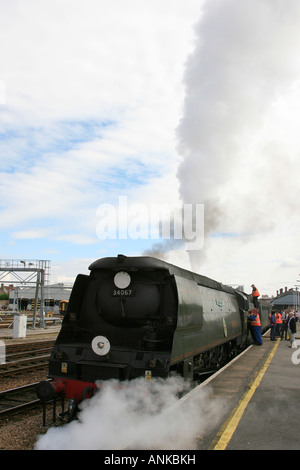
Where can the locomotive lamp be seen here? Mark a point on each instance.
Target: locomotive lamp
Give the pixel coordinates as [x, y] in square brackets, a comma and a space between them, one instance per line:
[122, 280]
[100, 345]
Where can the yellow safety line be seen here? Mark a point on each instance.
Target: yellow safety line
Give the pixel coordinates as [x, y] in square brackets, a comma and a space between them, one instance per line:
[232, 422]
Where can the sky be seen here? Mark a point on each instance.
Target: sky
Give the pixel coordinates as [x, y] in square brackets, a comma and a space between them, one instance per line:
[111, 110]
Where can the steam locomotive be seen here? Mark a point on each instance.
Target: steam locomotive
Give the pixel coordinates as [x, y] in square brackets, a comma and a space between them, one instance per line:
[141, 316]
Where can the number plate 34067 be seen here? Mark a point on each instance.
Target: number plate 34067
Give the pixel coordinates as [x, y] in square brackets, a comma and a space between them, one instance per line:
[123, 293]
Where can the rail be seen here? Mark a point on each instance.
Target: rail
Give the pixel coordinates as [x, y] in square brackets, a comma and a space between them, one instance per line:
[18, 399]
[23, 358]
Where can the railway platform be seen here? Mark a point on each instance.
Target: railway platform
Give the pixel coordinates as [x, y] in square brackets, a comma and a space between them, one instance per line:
[260, 393]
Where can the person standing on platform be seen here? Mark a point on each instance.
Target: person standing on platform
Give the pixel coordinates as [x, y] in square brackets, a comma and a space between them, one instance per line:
[284, 325]
[255, 294]
[255, 326]
[278, 323]
[292, 329]
[273, 327]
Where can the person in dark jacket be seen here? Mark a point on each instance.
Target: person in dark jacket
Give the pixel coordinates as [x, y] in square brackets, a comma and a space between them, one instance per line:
[292, 329]
[273, 327]
[284, 326]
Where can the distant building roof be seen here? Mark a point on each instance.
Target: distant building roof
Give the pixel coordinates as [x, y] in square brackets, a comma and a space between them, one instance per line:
[290, 297]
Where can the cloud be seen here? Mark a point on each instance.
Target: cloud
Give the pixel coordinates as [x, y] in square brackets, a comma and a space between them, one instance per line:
[161, 101]
[77, 239]
[30, 234]
[92, 97]
[93, 59]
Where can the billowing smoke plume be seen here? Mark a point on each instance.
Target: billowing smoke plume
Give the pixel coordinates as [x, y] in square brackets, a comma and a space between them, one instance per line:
[133, 415]
[238, 136]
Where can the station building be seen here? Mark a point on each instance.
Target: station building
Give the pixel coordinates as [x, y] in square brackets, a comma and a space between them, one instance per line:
[23, 298]
[287, 298]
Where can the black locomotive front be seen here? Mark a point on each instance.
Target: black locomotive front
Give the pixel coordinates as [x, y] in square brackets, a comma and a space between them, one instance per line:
[119, 324]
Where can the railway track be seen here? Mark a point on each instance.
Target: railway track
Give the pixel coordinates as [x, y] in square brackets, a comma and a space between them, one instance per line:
[23, 358]
[20, 359]
[18, 399]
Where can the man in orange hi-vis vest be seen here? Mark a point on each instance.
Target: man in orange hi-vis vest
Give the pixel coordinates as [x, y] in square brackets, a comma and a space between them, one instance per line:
[254, 319]
[278, 323]
[255, 294]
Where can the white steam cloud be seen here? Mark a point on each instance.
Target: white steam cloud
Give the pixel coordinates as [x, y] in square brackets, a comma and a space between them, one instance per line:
[239, 134]
[133, 415]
